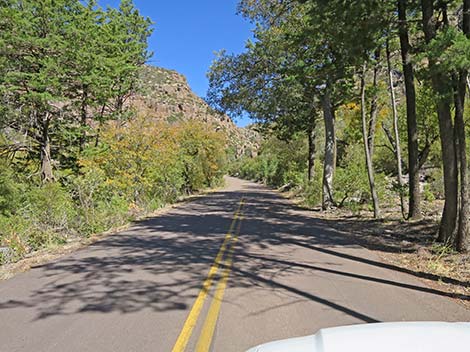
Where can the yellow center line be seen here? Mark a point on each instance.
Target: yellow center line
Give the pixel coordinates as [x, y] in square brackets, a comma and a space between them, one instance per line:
[191, 320]
[208, 329]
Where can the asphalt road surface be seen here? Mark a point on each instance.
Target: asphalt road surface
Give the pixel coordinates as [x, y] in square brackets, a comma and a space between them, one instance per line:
[224, 272]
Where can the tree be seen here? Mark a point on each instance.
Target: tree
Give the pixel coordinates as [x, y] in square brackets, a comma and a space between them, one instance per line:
[444, 93]
[396, 140]
[463, 231]
[36, 69]
[268, 81]
[413, 155]
[315, 51]
[126, 47]
[52, 85]
[367, 145]
[351, 33]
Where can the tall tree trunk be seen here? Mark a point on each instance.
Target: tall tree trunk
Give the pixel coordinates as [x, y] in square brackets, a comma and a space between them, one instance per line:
[311, 150]
[395, 131]
[329, 163]
[45, 151]
[370, 169]
[411, 121]
[83, 119]
[463, 224]
[100, 123]
[450, 212]
[446, 130]
[374, 106]
[463, 232]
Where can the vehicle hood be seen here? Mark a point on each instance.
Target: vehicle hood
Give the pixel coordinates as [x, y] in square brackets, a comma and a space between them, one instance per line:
[383, 337]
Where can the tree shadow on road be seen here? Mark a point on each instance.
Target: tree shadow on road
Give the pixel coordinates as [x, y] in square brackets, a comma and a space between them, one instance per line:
[160, 263]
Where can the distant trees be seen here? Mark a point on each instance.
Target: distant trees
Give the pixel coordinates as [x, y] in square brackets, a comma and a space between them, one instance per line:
[333, 53]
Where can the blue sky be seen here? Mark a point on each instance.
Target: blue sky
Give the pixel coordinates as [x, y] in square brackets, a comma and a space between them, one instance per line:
[187, 33]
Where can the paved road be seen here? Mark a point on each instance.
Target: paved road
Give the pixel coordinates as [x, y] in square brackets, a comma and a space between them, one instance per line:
[289, 275]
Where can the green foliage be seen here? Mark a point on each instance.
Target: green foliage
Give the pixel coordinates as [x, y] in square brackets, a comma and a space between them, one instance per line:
[450, 49]
[307, 58]
[67, 68]
[99, 205]
[351, 182]
[138, 167]
[436, 182]
[51, 84]
[14, 233]
[10, 190]
[312, 191]
[51, 207]
[428, 195]
[151, 163]
[56, 97]
[44, 216]
[278, 163]
[351, 178]
[134, 160]
[201, 154]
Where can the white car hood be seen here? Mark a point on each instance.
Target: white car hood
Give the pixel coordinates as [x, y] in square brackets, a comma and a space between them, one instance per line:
[383, 337]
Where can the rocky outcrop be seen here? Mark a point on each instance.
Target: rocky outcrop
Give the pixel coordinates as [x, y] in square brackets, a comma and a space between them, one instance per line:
[165, 94]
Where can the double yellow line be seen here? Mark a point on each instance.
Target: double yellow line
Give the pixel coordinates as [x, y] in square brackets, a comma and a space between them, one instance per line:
[205, 339]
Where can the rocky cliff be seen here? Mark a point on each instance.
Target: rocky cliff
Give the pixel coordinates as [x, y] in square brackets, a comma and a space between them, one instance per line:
[165, 94]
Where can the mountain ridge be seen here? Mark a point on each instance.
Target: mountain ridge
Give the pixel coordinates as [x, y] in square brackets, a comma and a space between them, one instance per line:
[166, 95]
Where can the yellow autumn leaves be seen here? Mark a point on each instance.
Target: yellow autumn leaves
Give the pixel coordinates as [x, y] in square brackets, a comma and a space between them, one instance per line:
[150, 161]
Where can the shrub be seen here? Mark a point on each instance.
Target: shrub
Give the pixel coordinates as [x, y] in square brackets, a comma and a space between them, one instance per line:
[202, 155]
[11, 191]
[436, 182]
[278, 163]
[50, 206]
[312, 191]
[100, 205]
[32, 216]
[138, 166]
[144, 165]
[14, 238]
[352, 182]
[51, 213]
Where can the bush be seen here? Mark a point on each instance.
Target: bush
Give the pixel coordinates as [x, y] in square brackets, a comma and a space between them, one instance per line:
[202, 155]
[45, 217]
[312, 191]
[137, 167]
[50, 206]
[99, 204]
[11, 190]
[278, 163]
[134, 161]
[352, 182]
[436, 182]
[14, 231]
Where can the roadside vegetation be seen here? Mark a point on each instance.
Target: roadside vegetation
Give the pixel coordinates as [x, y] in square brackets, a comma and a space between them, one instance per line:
[364, 105]
[75, 158]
